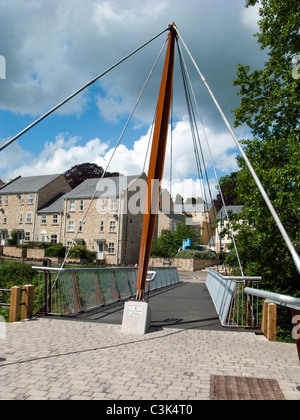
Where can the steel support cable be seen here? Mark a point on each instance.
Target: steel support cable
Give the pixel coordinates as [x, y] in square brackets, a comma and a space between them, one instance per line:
[213, 164]
[111, 157]
[199, 146]
[171, 149]
[195, 135]
[295, 256]
[91, 82]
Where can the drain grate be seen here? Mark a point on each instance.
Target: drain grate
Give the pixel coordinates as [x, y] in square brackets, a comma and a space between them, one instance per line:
[242, 388]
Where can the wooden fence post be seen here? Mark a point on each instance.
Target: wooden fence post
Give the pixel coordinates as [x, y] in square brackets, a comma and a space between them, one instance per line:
[272, 322]
[27, 302]
[14, 304]
[264, 320]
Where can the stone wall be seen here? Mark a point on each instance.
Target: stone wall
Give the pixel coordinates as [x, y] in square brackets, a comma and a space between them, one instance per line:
[35, 254]
[182, 264]
[13, 251]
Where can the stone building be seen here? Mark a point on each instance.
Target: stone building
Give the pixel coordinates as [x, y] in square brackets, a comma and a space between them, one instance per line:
[113, 224]
[202, 216]
[219, 242]
[105, 215]
[20, 200]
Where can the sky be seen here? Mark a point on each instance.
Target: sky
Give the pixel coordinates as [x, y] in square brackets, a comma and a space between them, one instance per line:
[53, 48]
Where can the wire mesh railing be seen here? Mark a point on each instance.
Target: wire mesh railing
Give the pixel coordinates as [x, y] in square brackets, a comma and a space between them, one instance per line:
[69, 291]
[234, 307]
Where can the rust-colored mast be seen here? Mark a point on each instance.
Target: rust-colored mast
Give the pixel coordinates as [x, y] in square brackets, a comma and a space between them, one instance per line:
[156, 164]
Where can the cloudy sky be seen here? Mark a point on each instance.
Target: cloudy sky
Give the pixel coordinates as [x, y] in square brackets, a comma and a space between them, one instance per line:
[52, 48]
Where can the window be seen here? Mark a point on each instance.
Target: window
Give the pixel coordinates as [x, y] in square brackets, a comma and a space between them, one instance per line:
[21, 218]
[72, 205]
[4, 218]
[55, 219]
[113, 204]
[22, 198]
[102, 204]
[112, 226]
[6, 200]
[53, 239]
[29, 218]
[101, 226]
[111, 247]
[27, 236]
[80, 226]
[0, 200]
[81, 205]
[71, 226]
[44, 219]
[30, 198]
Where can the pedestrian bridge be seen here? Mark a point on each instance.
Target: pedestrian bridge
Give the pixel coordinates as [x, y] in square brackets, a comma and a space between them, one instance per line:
[201, 300]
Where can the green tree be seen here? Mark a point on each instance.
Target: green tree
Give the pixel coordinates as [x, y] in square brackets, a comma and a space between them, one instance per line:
[270, 106]
[168, 243]
[228, 186]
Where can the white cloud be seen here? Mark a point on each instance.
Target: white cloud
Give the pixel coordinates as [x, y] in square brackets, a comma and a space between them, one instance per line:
[56, 157]
[64, 152]
[250, 17]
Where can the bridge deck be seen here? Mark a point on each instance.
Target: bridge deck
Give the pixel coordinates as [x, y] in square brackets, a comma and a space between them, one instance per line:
[184, 305]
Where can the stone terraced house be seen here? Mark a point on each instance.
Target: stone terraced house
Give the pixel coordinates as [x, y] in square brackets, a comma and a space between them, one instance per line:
[105, 216]
[20, 200]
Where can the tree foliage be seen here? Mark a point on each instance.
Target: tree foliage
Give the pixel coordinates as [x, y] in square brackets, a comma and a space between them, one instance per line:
[228, 185]
[270, 106]
[168, 244]
[79, 173]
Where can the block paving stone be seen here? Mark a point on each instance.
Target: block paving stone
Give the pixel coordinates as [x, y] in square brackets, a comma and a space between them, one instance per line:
[50, 358]
[56, 359]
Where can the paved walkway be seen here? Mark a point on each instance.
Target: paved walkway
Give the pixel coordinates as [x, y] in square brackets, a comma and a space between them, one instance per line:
[65, 359]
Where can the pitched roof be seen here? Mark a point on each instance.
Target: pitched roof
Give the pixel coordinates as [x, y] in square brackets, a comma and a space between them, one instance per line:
[56, 205]
[28, 184]
[176, 217]
[108, 187]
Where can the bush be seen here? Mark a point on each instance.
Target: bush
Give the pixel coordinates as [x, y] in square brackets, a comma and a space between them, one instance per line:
[80, 251]
[16, 274]
[191, 253]
[55, 250]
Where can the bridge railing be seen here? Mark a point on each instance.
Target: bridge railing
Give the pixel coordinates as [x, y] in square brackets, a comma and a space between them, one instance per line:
[69, 291]
[234, 307]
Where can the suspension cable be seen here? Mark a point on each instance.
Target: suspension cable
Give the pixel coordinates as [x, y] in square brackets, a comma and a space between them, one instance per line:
[91, 82]
[213, 164]
[112, 155]
[197, 143]
[273, 212]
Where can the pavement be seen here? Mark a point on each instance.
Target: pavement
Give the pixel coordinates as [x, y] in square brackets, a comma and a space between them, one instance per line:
[59, 359]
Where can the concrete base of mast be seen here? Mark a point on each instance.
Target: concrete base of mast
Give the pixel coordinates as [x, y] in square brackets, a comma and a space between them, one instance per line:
[136, 317]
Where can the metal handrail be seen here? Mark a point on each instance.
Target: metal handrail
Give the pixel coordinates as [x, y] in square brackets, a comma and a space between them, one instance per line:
[233, 307]
[279, 299]
[70, 291]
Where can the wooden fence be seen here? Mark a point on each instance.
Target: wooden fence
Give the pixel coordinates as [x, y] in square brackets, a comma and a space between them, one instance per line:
[20, 297]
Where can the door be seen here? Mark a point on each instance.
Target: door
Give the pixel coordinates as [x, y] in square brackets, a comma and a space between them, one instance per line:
[100, 253]
[20, 238]
[3, 237]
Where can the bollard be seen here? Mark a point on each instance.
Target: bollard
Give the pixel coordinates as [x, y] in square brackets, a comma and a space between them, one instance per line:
[14, 304]
[27, 302]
